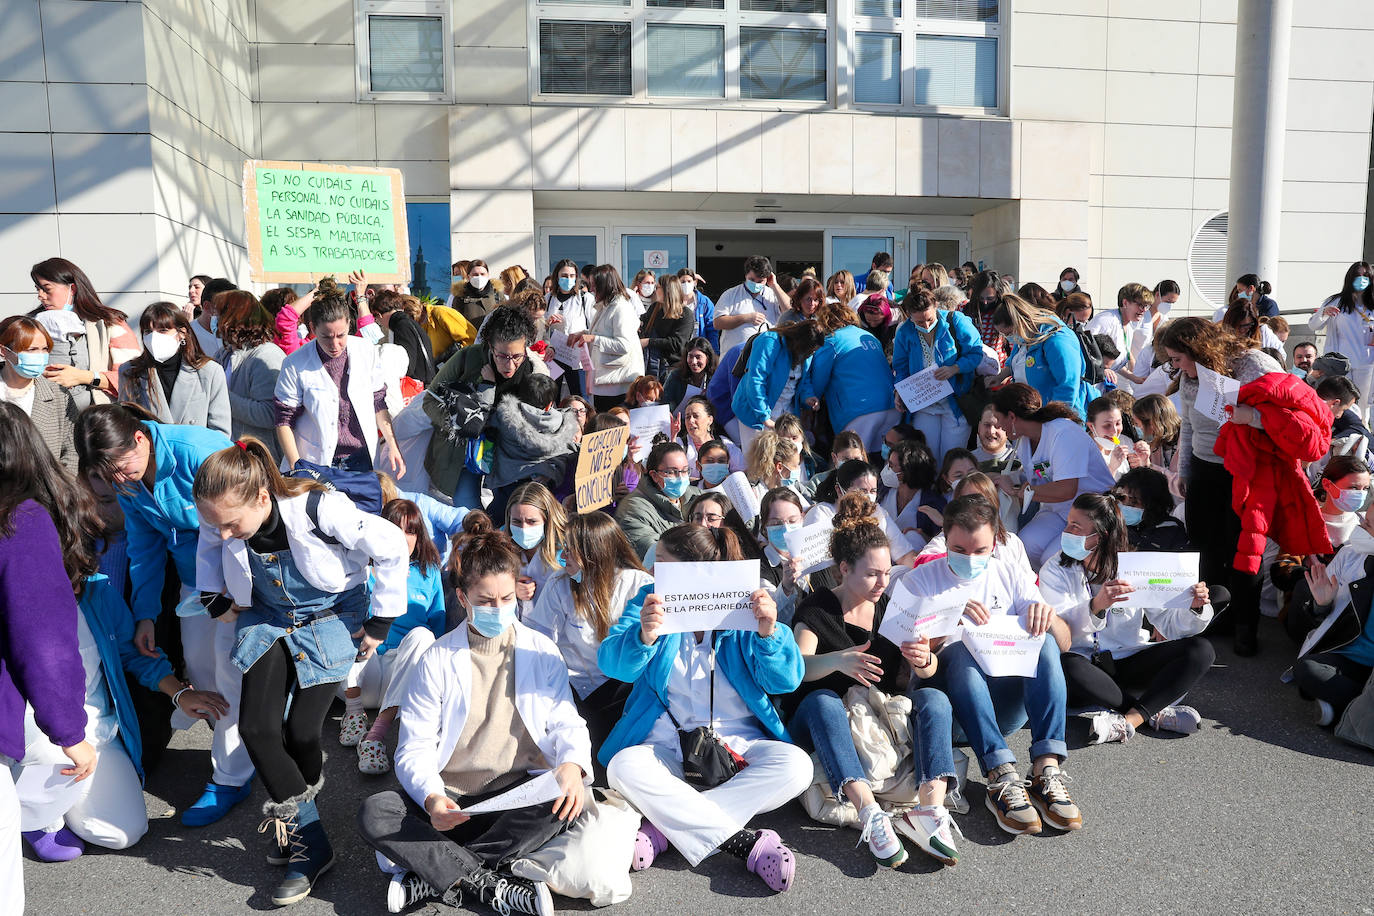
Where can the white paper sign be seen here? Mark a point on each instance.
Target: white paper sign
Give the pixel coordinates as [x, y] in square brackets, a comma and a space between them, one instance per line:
[656, 259]
[692, 391]
[923, 389]
[568, 356]
[647, 422]
[540, 789]
[707, 596]
[1002, 647]
[812, 544]
[1214, 393]
[555, 370]
[910, 616]
[1159, 579]
[742, 496]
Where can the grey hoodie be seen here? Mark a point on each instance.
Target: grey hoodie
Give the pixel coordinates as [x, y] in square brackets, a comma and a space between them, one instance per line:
[530, 442]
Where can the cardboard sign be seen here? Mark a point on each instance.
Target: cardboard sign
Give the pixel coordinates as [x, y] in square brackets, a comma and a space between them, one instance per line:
[647, 422]
[812, 544]
[707, 596]
[596, 466]
[910, 616]
[1002, 647]
[1214, 393]
[306, 220]
[741, 494]
[1160, 580]
[923, 389]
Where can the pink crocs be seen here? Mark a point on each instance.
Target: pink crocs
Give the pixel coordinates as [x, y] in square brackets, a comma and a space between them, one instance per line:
[772, 861]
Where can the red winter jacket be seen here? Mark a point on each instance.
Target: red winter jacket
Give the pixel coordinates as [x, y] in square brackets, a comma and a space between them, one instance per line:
[1268, 489]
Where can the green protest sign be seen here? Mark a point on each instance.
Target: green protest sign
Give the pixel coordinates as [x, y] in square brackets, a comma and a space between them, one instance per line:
[305, 220]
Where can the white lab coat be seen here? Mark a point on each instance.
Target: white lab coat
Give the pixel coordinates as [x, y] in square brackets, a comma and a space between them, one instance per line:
[304, 382]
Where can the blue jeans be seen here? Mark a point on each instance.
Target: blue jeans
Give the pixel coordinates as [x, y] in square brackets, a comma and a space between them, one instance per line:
[932, 721]
[821, 724]
[978, 700]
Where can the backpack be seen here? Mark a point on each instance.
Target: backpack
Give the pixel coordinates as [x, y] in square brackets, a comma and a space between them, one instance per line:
[362, 487]
[742, 363]
[1093, 364]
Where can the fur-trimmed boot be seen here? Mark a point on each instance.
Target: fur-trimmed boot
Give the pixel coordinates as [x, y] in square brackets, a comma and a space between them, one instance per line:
[301, 842]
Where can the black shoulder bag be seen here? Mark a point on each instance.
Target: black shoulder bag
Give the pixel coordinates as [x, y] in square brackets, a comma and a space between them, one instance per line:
[707, 761]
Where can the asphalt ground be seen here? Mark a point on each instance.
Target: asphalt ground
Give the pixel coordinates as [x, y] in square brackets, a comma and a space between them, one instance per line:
[1260, 812]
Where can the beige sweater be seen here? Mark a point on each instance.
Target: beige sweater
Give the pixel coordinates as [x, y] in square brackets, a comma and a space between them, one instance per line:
[495, 750]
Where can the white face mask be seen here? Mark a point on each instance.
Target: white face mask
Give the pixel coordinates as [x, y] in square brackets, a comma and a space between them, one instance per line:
[1162, 307]
[161, 345]
[478, 282]
[646, 289]
[889, 478]
[688, 289]
[1067, 285]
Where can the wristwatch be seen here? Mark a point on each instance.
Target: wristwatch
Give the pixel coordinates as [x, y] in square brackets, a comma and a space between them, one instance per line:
[94, 383]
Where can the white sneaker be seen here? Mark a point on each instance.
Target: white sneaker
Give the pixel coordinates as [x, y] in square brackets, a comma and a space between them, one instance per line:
[1182, 720]
[406, 889]
[882, 841]
[932, 829]
[1326, 714]
[1110, 726]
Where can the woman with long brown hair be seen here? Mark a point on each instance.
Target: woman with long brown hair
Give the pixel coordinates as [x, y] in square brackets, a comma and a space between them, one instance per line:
[537, 523]
[252, 362]
[666, 329]
[288, 564]
[90, 339]
[172, 378]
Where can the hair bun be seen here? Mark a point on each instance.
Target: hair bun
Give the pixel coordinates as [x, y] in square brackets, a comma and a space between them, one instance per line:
[477, 524]
[853, 510]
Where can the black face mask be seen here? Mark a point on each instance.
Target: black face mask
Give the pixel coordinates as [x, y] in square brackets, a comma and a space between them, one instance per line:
[986, 308]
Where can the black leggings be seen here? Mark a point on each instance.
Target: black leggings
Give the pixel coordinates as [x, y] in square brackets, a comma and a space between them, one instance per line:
[1161, 673]
[1214, 528]
[1332, 677]
[288, 755]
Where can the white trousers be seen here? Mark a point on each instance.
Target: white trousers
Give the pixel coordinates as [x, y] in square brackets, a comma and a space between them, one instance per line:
[695, 822]
[383, 678]
[11, 852]
[105, 809]
[1041, 536]
[1363, 377]
[208, 645]
[943, 428]
[871, 427]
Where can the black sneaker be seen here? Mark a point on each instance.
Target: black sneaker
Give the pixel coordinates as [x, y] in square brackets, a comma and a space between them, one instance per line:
[311, 857]
[509, 894]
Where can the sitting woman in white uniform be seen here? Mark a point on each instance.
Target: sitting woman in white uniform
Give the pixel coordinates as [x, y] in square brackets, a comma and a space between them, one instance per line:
[536, 522]
[858, 475]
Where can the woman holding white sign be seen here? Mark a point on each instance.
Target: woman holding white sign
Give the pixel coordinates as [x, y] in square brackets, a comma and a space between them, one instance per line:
[1058, 458]
[949, 341]
[1190, 344]
[987, 707]
[1112, 660]
[857, 476]
[837, 632]
[781, 512]
[678, 702]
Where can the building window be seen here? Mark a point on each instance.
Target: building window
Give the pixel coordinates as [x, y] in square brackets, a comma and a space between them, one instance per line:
[927, 55]
[428, 227]
[774, 50]
[584, 58]
[404, 50]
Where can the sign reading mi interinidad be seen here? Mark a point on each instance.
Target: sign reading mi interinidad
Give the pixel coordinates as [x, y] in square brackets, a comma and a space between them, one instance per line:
[306, 220]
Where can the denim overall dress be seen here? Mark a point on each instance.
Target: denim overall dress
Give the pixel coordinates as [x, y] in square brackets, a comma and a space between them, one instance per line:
[316, 625]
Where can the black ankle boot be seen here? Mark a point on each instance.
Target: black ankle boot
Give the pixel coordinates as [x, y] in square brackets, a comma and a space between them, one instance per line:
[311, 857]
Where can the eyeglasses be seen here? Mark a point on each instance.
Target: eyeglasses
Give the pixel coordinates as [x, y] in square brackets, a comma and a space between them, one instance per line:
[513, 359]
[711, 518]
[673, 474]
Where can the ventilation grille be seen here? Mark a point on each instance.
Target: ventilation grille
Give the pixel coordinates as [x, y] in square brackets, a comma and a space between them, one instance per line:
[1207, 261]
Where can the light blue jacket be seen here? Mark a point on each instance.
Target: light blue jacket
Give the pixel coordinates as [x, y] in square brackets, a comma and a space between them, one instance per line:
[754, 666]
[113, 628]
[424, 608]
[957, 343]
[442, 520]
[851, 372]
[763, 381]
[1054, 367]
[165, 519]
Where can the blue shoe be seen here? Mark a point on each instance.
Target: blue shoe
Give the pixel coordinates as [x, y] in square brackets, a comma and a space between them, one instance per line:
[214, 803]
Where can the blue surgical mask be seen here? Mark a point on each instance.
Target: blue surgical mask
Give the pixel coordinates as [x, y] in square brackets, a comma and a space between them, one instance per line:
[29, 365]
[214, 324]
[966, 566]
[777, 535]
[1243, 294]
[1016, 340]
[1132, 515]
[714, 473]
[493, 621]
[753, 287]
[674, 487]
[576, 576]
[529, 537]
[791, 482]
[566, 284]
[1350, 500]
[886, 450]
[1360, 284]
[1074, 545]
